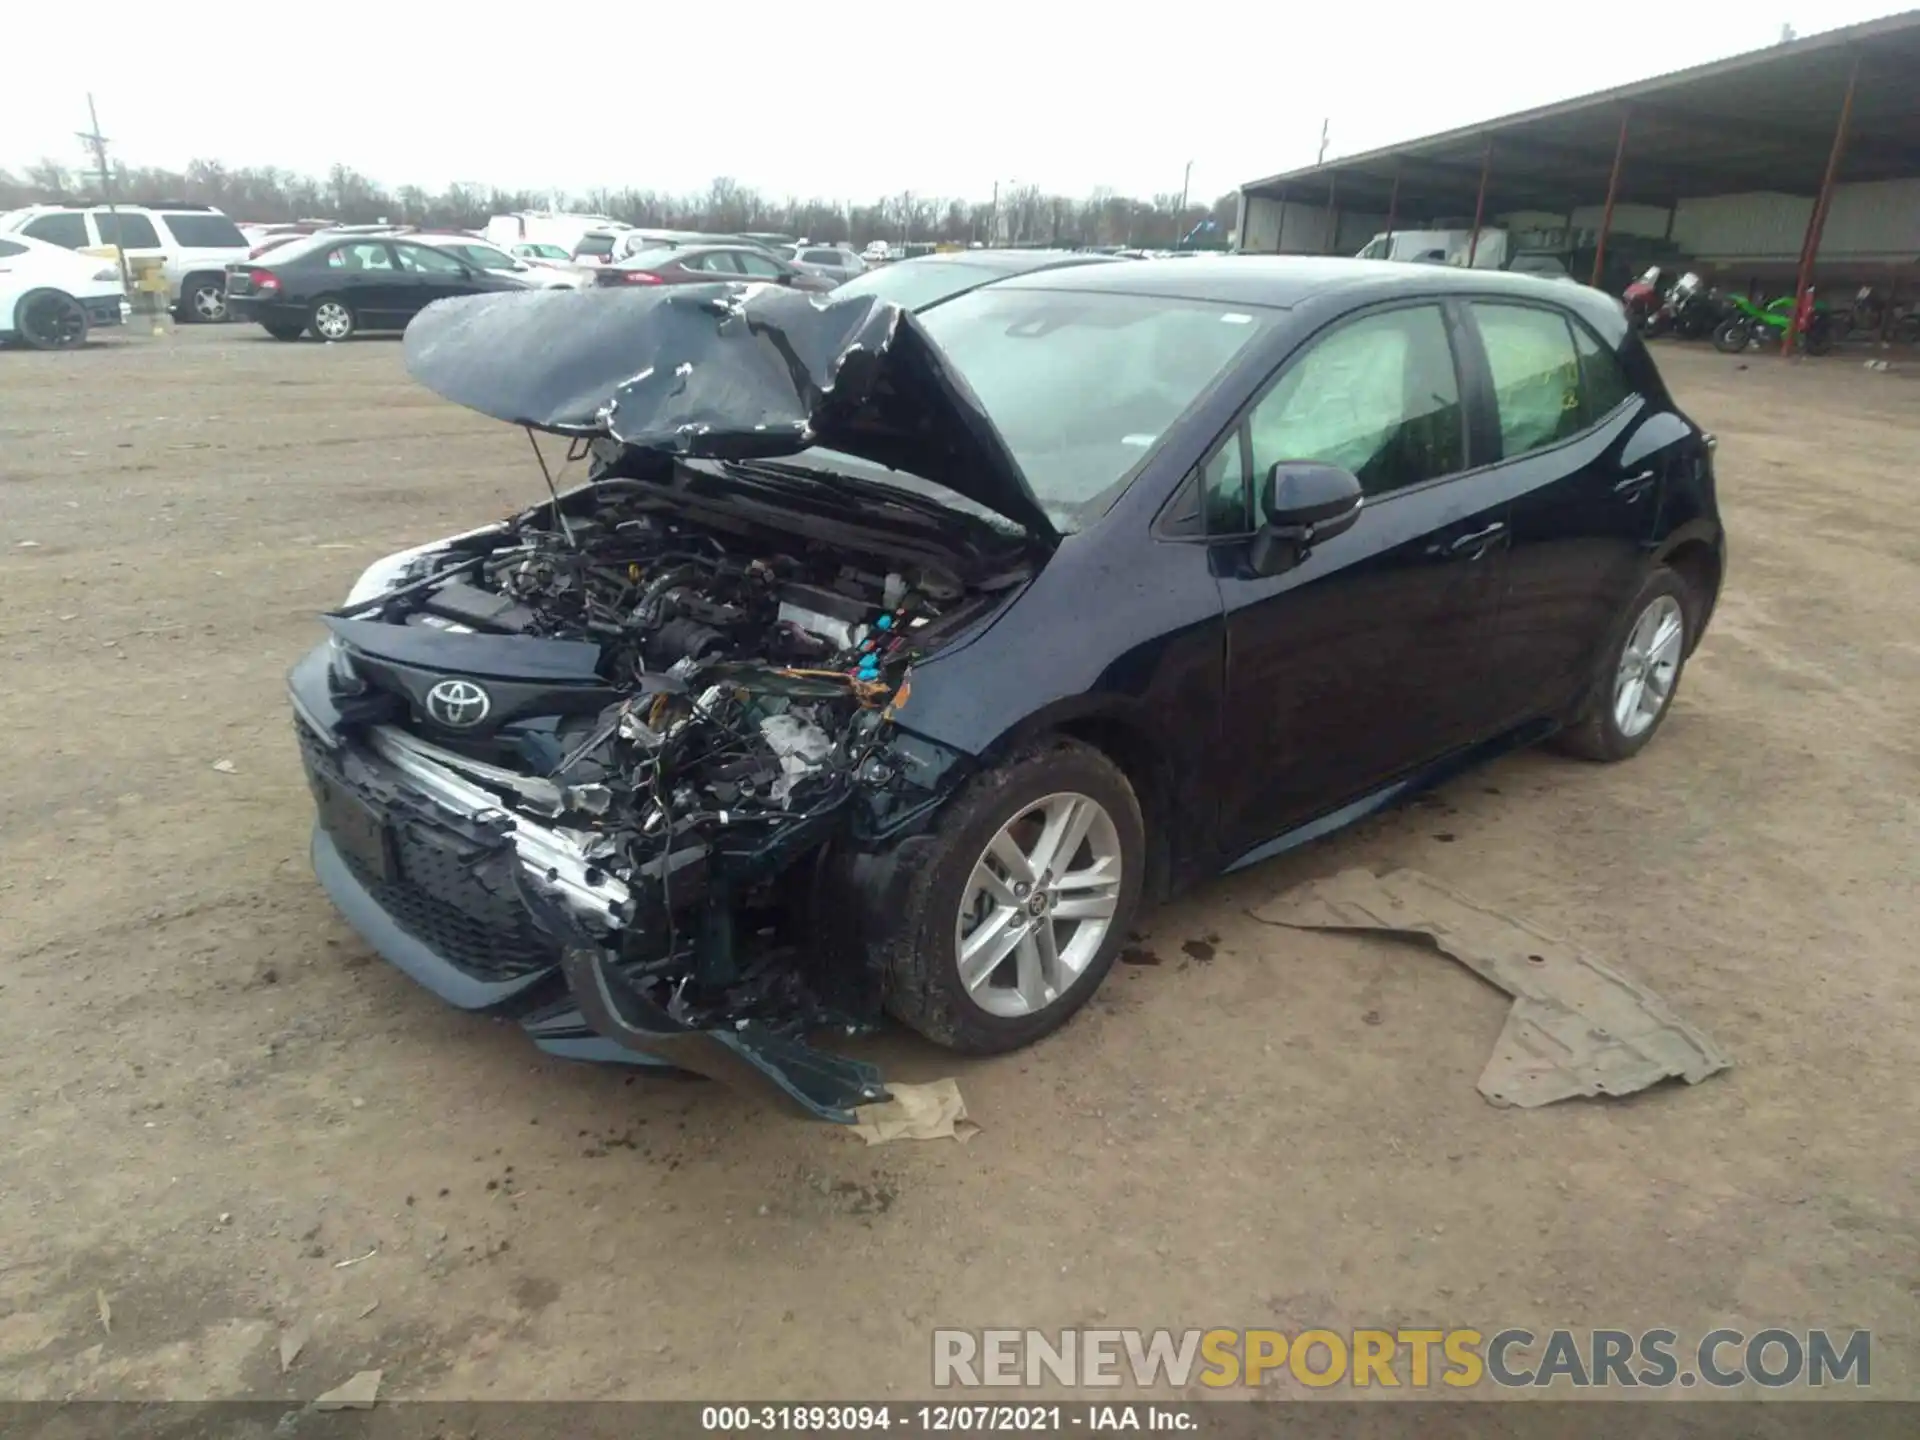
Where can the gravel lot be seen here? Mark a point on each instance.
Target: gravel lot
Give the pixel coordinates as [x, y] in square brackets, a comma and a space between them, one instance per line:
[214, 1097]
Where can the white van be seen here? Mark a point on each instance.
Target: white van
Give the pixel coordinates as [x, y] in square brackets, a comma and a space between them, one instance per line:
[1440, 247]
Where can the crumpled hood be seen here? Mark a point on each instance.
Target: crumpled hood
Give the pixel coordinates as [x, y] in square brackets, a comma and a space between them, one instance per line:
[730, 371]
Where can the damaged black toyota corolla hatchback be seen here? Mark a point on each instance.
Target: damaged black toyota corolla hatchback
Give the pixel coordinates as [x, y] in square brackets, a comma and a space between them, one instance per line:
[893, 663]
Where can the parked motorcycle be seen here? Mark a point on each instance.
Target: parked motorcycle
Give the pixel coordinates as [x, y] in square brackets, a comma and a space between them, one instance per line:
[1642, 300]
[1690, 310]
[1751, 323]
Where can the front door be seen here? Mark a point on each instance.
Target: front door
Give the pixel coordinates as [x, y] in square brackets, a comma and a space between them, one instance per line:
[1369, 659]
[427, 275]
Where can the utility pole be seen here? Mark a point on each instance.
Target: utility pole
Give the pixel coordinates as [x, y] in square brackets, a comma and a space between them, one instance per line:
[97, 144]
[1321, 158]
[1180, 217]
[993, 217]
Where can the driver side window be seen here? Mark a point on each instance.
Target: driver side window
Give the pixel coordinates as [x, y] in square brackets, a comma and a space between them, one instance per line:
[1378, 396]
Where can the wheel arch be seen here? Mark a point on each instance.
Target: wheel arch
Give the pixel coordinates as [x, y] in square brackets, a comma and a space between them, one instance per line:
[1699, 561]
[1138, 753]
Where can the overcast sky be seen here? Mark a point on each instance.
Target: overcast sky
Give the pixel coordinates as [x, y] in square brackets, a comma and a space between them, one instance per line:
[939, 98]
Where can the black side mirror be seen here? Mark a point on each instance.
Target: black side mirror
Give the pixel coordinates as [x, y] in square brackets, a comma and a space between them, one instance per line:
[1303, 503]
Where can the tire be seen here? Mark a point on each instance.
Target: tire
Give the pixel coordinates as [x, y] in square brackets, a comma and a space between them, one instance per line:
[1819, 336]
[1599, 732]
[332, 318]
[284, 332]
[50, 320]
[203, 300]
[1731, 337]
[918, 947]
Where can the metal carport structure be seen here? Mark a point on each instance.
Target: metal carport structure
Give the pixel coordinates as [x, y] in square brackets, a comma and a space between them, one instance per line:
[1792, 119]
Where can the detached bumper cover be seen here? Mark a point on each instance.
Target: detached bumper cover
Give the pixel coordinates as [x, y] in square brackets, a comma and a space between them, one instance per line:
[432, 893]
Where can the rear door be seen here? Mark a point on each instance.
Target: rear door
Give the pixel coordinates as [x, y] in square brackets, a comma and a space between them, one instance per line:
[365, 275]
[1370, 659]
[1581, 459]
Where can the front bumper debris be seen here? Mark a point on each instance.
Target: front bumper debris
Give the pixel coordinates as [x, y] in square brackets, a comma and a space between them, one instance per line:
[494, 912]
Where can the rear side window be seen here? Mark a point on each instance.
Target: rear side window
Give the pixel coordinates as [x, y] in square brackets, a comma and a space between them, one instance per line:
[1536, 375]
[367, 255]
[601, 245]
[205, 232]
[11, 248]
[129, 232]
[67, 230]
[1603, 384]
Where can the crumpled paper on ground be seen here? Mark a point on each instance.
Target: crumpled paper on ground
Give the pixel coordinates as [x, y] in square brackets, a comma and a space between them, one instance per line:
[1577, 1026]
[933, 1111]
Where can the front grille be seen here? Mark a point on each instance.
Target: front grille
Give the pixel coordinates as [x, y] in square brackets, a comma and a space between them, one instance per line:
[452, 897]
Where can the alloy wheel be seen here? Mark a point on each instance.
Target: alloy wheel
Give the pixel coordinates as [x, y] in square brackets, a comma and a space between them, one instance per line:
[332, 320]
[1038, 905]
[210, 304]
[1649, 664]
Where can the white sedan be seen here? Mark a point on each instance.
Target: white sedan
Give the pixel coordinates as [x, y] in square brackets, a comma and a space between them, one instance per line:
[50, 297]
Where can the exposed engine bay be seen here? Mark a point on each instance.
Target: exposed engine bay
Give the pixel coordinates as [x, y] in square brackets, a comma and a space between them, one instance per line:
[632, 767]
[696, 704]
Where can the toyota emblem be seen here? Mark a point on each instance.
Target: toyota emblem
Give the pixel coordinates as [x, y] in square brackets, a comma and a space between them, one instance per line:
[458, 704]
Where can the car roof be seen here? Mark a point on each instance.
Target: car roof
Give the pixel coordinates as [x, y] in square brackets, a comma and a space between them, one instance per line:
[1282, 281]
[1010, 262]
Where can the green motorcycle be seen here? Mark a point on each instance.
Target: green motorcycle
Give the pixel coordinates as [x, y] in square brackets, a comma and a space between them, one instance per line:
[1751, 323]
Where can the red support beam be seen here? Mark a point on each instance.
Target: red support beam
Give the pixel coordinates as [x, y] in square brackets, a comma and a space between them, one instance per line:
[1480, 202]
[1613, 191]
[1810, 248]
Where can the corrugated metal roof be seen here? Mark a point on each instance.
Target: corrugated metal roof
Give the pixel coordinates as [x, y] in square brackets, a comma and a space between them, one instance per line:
[1759, 121]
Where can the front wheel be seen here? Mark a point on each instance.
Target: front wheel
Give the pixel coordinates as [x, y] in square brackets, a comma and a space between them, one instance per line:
[50, 320]
[1017, 911]
[1638, 673]
[1731, 337]
[332, 319]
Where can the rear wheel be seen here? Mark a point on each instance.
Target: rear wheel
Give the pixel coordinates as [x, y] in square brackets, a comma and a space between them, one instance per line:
[50, 320]
[1016, 913]
[1732, 336]
[1638, 673]
[332, 319]
[1819, 336]
[203, 300]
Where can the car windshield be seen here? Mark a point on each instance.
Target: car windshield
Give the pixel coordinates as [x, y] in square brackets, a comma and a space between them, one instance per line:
[1083, 385]
[914, 285]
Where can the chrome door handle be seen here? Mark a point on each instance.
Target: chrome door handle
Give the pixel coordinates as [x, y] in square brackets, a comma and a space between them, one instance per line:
[1634, 486]
[1472, 547]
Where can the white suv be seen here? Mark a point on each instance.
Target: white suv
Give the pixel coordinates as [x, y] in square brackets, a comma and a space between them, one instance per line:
[194, 242]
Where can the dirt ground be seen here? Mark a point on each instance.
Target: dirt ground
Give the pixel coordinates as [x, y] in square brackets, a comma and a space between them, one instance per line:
[215, 1101]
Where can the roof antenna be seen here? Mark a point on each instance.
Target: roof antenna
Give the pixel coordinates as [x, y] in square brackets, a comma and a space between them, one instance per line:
[558, 513]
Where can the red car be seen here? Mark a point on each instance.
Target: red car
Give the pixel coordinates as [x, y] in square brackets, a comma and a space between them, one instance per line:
[703, 264]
